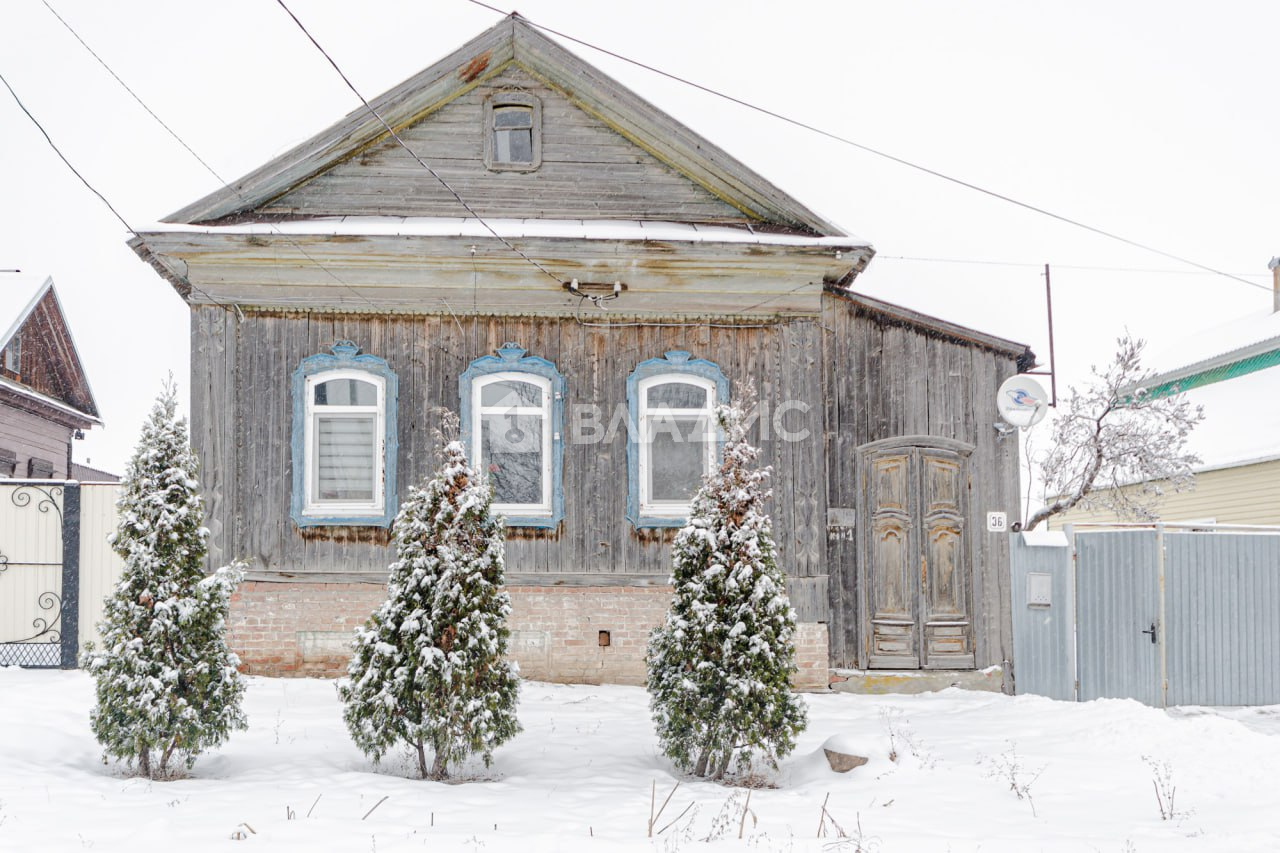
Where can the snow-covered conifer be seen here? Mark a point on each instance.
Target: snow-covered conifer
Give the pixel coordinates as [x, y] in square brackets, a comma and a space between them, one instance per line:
[429, 668]
[719, 667]
[166, 683]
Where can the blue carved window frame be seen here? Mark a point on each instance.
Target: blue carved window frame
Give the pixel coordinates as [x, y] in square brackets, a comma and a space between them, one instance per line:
[511, 359]
[677, 364]
[345, 360]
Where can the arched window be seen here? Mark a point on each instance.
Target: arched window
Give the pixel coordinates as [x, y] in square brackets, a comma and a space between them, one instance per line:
[344, 439]
[675, 441]
[512, 416]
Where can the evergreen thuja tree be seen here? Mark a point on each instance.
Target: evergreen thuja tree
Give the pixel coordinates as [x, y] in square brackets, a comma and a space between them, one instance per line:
[429, 668]
[719, 666]
[166, 683]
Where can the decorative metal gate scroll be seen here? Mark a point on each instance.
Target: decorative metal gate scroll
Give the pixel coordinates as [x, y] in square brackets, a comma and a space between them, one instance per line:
[37, 615]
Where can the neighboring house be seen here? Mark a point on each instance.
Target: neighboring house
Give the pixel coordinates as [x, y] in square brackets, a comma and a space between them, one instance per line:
[45, 401]
[342, 294]
[1233, 371]
[89, 474]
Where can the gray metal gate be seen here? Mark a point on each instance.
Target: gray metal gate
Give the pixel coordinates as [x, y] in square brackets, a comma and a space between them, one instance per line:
[1164, 614]
[1118, 616]
[39, 569]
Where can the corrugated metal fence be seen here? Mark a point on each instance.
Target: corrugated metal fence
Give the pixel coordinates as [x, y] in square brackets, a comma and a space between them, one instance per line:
[56, 568]
[1165, 614]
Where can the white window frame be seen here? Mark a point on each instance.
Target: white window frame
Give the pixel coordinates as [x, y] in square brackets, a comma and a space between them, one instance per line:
[544, 507]
[312, 505]
[646, 418]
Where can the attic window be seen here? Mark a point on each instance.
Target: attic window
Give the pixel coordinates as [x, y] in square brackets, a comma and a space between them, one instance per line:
[13, 355]
[513, 132]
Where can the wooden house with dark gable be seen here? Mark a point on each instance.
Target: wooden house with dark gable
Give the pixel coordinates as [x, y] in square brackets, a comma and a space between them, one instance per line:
[45, 400]
[346, 291]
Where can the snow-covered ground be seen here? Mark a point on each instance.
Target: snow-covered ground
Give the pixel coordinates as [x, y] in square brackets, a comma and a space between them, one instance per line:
[580, 777]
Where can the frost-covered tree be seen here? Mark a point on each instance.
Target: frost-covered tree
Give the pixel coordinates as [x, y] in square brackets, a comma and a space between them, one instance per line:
[1115, 445]
[719, 666]
[166, 683]
[429, 667]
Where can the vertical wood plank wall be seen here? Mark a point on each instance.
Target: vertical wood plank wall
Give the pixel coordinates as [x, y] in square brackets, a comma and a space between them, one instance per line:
[863, 377]
[885, 378]
[241, 430]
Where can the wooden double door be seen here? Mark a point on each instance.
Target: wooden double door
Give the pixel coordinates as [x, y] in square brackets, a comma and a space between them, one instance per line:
[917, 577]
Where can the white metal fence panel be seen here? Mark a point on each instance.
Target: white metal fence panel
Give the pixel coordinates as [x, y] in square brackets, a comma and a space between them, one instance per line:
[1223, 614]
[100, 567]
[31, 573]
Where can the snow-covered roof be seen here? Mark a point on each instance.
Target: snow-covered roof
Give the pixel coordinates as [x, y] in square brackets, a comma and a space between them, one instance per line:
[19, 293]
[30, 394]
[1242, 420]
[514, 229]
[1233, 371]
[1236, 340]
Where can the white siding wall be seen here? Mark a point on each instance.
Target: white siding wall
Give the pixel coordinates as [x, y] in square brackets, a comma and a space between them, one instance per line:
[28, 435]
[100, 567]
[1245, 494]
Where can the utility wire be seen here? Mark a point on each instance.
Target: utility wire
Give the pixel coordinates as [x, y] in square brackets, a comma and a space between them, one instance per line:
[95, 191]
[421, 162]
[193, 153]
[125, 85]
[1057, 266]
[877, 152]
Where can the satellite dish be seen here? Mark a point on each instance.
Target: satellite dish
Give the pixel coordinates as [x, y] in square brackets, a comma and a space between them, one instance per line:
[1022, 401]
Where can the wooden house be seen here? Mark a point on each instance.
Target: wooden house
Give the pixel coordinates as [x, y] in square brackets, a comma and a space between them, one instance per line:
[344, 292]
[45, 401]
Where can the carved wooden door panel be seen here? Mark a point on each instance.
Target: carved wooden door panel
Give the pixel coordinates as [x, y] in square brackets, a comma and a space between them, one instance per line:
[917, 573]
[944, 575]
[893, 589]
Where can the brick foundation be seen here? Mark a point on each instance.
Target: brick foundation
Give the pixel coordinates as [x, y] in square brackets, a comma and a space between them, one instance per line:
[305, 629]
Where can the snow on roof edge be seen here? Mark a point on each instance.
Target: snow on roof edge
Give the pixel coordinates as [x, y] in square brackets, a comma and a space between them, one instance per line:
[23, 391]
[581, 229]
[41, 285]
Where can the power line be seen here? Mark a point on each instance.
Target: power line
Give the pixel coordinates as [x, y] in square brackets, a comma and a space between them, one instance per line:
[141, 103]
[421, 162]
[870, 150]
[192, 151]
[94, 190]
[1060, 266]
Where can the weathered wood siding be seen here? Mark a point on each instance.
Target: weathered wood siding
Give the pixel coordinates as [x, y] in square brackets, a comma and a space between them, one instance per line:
[588, 171]
[241, 413]
[885, 377]
[48, 363]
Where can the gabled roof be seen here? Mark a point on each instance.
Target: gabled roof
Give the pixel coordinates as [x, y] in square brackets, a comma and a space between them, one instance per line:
[1233, 372]
[20, 297]
[1242, 346]
[514, 40]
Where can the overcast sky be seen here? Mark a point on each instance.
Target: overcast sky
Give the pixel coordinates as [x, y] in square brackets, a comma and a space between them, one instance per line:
[1155, 120]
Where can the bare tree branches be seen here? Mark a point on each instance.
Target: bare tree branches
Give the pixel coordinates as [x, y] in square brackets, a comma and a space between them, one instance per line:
[1116, 446]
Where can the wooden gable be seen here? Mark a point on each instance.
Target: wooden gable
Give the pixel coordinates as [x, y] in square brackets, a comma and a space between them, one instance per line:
[43, 355]
[603, 145]
[621, 195]
[587, 170]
